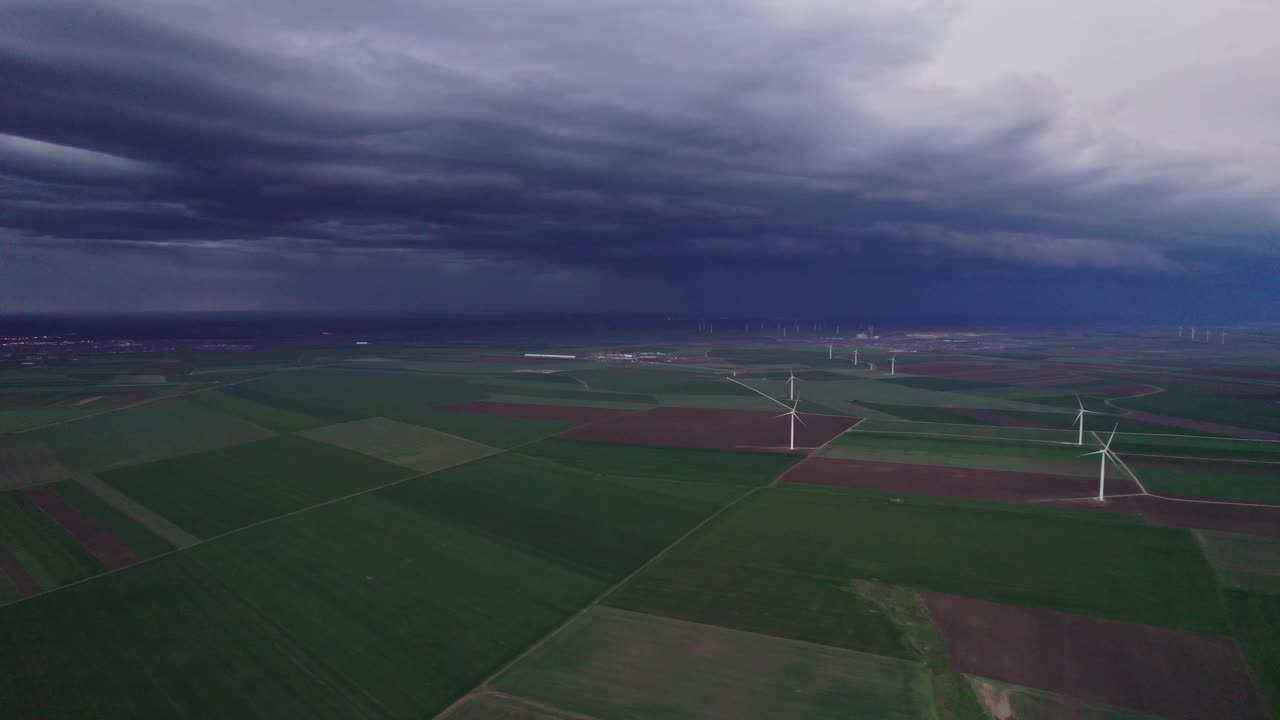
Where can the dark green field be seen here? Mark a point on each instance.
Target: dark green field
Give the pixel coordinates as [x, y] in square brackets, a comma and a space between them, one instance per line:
[124, 528]
[267, 416]
[1061, 561]
[213, 492]
[1256, 619]
[50, 555]
[709, 466]
[1193, 480]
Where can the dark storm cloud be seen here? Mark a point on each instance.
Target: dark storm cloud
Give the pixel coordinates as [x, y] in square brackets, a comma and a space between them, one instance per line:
[270, 152]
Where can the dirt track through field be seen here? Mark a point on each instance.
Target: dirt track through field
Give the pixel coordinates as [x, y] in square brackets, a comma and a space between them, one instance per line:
[1174, 674]
[144, 516]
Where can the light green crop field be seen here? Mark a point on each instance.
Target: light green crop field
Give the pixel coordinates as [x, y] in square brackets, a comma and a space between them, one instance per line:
[968, 452]
[659, 382]
[23, 464]
[47, 552]
[157, 430]
[1243, 562]
[267, 416]
[411, 446]
[212, 492]
[1061, 561]
[615, 663]
[493, 430]
[338, 395]
[1170, 477]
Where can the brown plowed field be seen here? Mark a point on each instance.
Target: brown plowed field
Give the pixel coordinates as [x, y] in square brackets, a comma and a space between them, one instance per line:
[1201, 425]
[997, 485]
[18, 575]
[1246, 519]
[29, 465]
[1174, 674]
[21, 401]
[109, 551]
[715, 429]
[563, 413]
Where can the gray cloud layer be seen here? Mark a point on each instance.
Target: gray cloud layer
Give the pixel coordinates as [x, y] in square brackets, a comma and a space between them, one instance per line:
[245, 154]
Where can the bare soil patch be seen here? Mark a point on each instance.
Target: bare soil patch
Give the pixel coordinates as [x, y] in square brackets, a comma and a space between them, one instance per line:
[18, 575]
[1202, 426]
[997, 485]
[109, 551]
[715, 429]
[562, 413]
[121, 399]
[1175, 674]
[1245, 519]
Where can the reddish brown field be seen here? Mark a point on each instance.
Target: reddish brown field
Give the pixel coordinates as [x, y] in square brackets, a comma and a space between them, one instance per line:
[997, 485]
[109, 551]
[1245, 519]
[715, 429]
[1122, 390]
[21, 401]
[996, 418]
[564, 413]
[29, 465]
[1174, 674]
[18, 575]
[1202, 426]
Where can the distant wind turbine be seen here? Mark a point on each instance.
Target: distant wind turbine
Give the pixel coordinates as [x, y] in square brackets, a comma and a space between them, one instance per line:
[831, 349]
[1193, 332]
[1223, 338]
[791, 384]
[1080, 419]
[893, 364]
[1179, 331]
[855, 357]
[1105, 453]
[794, 417]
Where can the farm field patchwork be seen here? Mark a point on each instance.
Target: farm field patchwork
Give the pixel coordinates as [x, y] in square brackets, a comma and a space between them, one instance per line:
[1173, 674]
[38, 547]
[1016, 702]
[262, 415]
[22, 464]
[994, 432]
[1183, 446]
[1256, 619]
[559, 413]
[220, 490]
[493, 430]
[1243, 562]
[411, 446]
[617, 663]
[692, 464]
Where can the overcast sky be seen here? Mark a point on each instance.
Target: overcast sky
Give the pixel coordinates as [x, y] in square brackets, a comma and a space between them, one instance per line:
[949, 159]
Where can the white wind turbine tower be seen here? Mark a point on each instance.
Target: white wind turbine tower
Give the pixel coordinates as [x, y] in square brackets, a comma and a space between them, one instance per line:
[1193, 332]
[1105, 453]
[893, 363]
[791, 384]
[1080, 419]
[794, 417]
[831, 349]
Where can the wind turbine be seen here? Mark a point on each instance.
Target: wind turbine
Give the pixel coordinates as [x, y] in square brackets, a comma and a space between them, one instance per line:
[1105, 453]
[831, 349]
[791, 384]
[1223, 338]
[1179, 331]
[855, 357]
[1080, 419]
[1193, 332]
[794, 417]
[893, 363]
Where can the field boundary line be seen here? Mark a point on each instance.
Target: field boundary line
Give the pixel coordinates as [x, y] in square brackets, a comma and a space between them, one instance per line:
[1125, 465]
[483, 684]
[966, 437]
[1201, 458]
[814, 453]
[784, 405]
[291, 513]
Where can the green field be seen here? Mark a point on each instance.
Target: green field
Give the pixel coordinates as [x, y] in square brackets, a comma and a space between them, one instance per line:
[1256, 619]
[984, 453]
[1209, 447]
[1188, 401]
[938, 383]
[618, 459]
[1243, 562]
[658, 382]
[157, 430]
[1173, 478]
[50, 555]
[1062, 561]
[411, 446]
[762, 600]
[23, 464]
[338, 395]
[212, 492]
[267, 416]
[614, 663]
[600, 526]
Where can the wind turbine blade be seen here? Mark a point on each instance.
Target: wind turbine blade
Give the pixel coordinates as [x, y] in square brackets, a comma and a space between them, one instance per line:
[1107, 447]
[1095, 452]
[801, 420]
[1079, 417]
[1079, 402]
